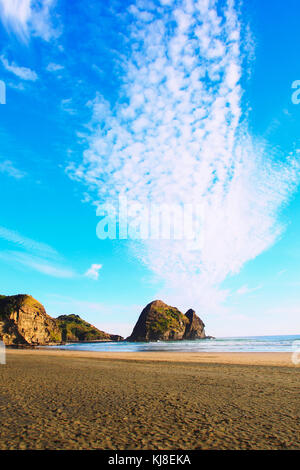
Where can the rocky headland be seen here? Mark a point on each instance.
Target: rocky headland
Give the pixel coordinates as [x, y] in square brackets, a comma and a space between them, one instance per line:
[161, 322]
[24, 322]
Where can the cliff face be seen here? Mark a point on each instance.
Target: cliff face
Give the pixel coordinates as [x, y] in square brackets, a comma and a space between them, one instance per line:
[24, 321]
[195, 327]
[159, 321]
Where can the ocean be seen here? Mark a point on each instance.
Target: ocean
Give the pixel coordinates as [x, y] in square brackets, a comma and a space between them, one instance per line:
[284, 343]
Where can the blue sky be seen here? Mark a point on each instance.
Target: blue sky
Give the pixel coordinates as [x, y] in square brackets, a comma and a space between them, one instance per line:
[185, 101]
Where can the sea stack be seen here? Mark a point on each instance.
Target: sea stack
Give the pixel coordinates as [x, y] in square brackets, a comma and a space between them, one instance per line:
[161, 322]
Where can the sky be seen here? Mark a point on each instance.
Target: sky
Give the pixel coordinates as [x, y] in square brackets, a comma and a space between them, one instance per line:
[165, 102]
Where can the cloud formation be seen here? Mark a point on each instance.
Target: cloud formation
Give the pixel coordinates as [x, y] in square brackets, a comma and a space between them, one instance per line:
[21, 72]
[40, 257]
[93, 271]
[37, 263]
[9, 168]
[177, 134]
[247, 290]
[52, 67]
[35, 255]
[27, 243]
[26, 17]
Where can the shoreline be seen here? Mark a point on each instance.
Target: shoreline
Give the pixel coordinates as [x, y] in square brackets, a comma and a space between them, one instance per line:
[279, 359]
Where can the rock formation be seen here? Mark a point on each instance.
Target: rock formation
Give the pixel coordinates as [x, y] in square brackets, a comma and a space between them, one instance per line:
[195, 327]
[73, 328]
[24, 321]
[159, 321]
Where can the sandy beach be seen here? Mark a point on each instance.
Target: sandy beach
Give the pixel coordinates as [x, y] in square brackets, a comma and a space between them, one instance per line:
[56, 399]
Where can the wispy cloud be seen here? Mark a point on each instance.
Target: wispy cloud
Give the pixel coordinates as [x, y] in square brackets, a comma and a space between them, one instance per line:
[22, 72]
[41, 257]
[247, 290]
[26, 17]
[39, 264]
[281, 272]
[52, 67]
[10, 169]
[35, 255]
[66, 105]
[16, 14]
[16, 86]
[177, 135]
[93, 271]
[27, 243]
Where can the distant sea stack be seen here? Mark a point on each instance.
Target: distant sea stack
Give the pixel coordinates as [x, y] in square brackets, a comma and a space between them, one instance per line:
[160, 322]
[24, 322]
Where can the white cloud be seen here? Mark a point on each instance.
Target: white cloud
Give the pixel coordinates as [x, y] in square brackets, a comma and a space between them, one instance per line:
[16, 86]
[26, 17]
[27, 243]
[93, 271]
[52, 67]
[66, 105]
[247, 290]
[9, 168]
[16, 14]
[38, 264]
[21, 72]
[35, 255]
[179, 137]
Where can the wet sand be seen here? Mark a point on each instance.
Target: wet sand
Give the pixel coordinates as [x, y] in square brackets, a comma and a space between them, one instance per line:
[51, 399]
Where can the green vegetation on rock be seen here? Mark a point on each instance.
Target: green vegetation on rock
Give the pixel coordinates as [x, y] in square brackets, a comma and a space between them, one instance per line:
[9, 304]
[73, 328]
[167, 319]
[23, 320]
[161, 322]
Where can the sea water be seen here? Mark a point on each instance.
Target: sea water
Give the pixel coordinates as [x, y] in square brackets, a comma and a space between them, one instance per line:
[287, 343]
